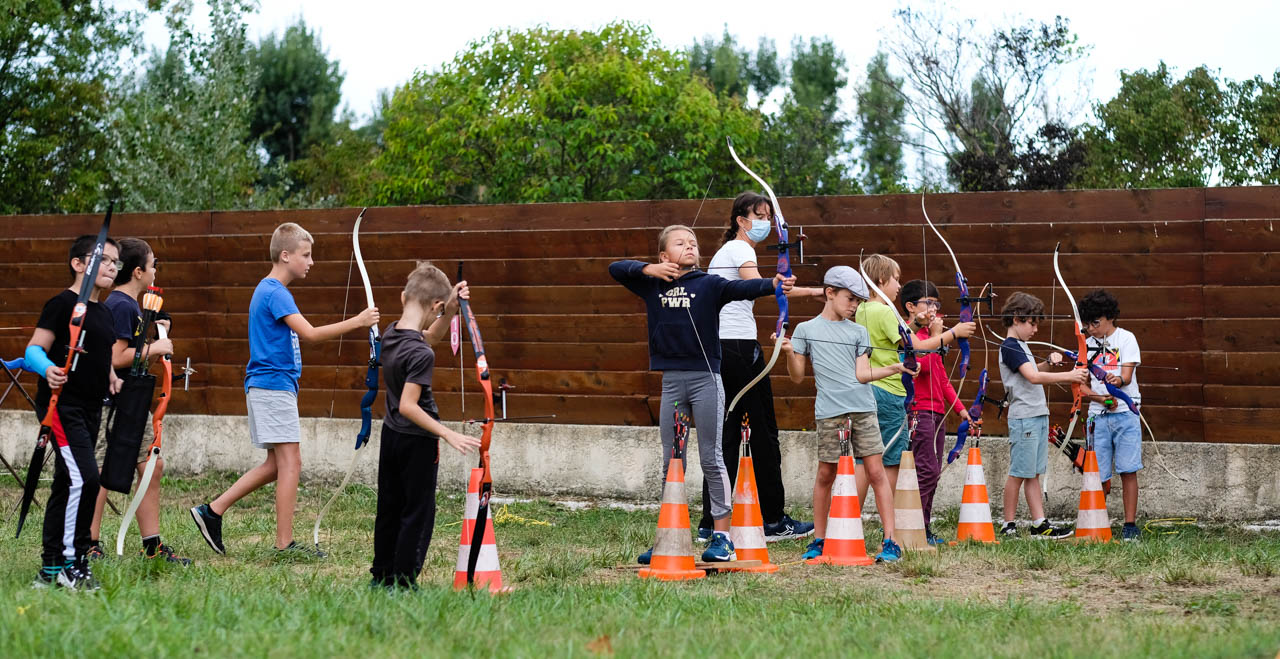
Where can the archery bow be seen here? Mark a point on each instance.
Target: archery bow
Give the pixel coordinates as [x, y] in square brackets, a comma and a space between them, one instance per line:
[908, 353]
[370, 380]
[75, 346]
[151, 302]
[784, 269]
[486, 480]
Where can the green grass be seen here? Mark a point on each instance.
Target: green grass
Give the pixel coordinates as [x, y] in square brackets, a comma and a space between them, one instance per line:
[1199, 592]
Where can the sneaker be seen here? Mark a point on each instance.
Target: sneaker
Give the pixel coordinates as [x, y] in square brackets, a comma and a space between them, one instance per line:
[704, 535]
[646, 557]
[720, 549]
[1009, 529]
[95, 551]
[786, 529]
[167, 552]
[78, 576]
[933, 539]
[46, 577]
[1130, 533]
[814, 550]
[210, 526]
[295, 550]
[1047, 531]
[889, 552]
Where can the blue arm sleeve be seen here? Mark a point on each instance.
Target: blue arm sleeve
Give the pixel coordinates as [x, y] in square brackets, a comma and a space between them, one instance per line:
[36, 361]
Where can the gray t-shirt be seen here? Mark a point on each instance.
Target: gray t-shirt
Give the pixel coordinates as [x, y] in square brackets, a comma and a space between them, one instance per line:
[833, 347]
[406, 357]
[1026, 400]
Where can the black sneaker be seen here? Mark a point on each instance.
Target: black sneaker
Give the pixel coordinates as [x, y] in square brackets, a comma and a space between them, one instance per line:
[1047, 531]
[95, 551]
[1009, 529]
[295, 550]
[787, 529]
[46, 577]
[166, 552]
[210, 526]
[78, 576]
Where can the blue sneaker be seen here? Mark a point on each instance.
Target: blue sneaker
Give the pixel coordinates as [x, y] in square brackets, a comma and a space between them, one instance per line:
[1130, 533]
[889, 552]
[933, 539]
[704, 535]
[647, 556]
[786, 529]
[814, 550]
[720, 549]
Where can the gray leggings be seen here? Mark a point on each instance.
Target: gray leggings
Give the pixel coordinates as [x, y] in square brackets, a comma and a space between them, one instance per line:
[701, 396]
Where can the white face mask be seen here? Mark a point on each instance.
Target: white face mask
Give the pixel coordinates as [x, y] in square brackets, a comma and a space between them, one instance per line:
[759, 230]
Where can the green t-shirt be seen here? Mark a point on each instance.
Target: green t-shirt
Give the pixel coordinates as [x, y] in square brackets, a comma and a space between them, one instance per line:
[882, 326]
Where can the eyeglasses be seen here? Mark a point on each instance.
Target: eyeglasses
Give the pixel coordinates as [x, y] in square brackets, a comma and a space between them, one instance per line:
[1095, 323]
[929, 303]
[118, 264]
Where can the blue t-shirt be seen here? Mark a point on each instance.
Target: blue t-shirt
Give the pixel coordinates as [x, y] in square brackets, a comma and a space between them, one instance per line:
[126, 316]
[275, 359]
[833, 347]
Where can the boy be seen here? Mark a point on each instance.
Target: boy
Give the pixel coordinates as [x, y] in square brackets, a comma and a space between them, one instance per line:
[881, 321]
[683, 306]
[138, 273]
[271, 388]
[69, 509]
[934, 395]
[839, 349]
[1028, 413]
[409, 455]
[1116, 433]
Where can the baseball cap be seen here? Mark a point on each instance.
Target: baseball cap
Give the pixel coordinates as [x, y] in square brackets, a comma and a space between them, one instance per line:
[842, 276]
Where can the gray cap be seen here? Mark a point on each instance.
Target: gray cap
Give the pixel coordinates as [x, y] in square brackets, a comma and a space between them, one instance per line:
[842, 276]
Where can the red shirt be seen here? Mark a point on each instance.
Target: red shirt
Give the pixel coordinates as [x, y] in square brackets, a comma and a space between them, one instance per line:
[933, 387]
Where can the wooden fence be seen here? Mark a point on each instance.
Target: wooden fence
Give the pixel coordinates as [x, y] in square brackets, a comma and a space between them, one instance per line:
[1195, 271]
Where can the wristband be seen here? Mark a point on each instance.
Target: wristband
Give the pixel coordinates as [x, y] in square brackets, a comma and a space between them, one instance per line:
[36, 361]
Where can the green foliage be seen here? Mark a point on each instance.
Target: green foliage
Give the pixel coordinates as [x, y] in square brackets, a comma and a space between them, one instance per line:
[298, 89]
[881, 133]
[732, 71]
[551, 115]
[1251, 144]
[57, 60]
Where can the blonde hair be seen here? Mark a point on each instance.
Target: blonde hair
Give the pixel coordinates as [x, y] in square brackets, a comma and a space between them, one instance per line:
[881, 268]
[665, 236]
[286, 238]
[426, 285]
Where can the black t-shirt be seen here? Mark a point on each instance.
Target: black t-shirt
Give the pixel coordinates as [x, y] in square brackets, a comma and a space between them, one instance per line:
[406, 357]
[89, 383]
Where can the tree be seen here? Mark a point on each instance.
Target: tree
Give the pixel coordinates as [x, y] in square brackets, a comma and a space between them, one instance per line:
[298, 90]
[558, 115]
[881, 112]
[733, 71]
[57, 60]
[1251, 144]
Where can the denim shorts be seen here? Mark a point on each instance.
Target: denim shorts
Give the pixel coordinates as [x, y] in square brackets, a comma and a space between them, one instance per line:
[891, 415]
[1029, 446]
[1117, 437]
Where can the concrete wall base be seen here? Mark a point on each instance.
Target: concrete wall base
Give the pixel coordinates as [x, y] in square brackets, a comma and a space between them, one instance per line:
[1224, 481]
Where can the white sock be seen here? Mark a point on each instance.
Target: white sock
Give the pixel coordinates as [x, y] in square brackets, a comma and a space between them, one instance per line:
[1037, 522]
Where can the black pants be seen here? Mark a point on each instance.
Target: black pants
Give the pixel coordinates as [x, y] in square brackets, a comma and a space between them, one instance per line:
[69, 512]
[740, 361]
[407, 469]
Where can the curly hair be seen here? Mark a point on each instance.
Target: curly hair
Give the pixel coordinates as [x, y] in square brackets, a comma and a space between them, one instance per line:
[1099, 304]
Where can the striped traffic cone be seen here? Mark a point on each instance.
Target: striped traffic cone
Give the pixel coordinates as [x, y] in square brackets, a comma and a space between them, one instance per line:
[747, 526]
[672, 558]
[975, 506]
[1092, 522]
[908, 516]
[844, 544]
[487, 571]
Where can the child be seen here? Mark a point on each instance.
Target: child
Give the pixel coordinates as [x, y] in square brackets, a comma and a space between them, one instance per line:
[1028, 413]
[839, 349]
[684, 343]
[881, 321]
[934, 395]
[1115, 432]
[409, 455]
[271, 387]
[69, 510]
[138, 273]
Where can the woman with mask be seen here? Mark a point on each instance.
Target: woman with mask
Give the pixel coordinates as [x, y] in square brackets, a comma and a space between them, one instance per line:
[750, 224]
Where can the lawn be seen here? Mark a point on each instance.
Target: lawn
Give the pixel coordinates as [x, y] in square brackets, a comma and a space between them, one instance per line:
[1195, 592]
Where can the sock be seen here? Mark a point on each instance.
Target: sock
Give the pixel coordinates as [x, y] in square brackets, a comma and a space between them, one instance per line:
[151, 544]
[209, 508]
[51, 571]
[1037, 521]
[1133, 524]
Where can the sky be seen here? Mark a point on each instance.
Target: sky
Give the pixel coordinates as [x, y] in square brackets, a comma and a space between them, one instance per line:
[381, 43]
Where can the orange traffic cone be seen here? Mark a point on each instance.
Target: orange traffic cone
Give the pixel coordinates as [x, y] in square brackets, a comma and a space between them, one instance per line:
[672, 558]
[747, 526]
[908, 516]
[487, 570]
[844, 544]
[975, 506]
[1092, 522]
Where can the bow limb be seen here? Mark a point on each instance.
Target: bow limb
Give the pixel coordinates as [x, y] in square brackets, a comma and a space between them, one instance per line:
[908, 351]
[486, 481]
[157, 428]
[1077, 389]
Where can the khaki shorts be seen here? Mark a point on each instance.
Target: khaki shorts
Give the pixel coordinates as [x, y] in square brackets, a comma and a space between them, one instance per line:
[144, 450]
[864, 440]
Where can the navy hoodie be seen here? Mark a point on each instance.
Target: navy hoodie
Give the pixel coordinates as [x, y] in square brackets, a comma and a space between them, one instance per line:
[679, 307]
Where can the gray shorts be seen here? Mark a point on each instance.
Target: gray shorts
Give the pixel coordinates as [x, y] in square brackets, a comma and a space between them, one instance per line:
[144, 450]
[864, 440]
[273, 417]
[1028, 446]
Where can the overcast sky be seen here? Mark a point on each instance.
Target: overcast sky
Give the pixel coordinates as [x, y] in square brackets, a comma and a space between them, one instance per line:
[380, 43]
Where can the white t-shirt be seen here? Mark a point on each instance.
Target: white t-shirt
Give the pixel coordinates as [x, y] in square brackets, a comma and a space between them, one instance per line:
[737, 319]
[1119, 348]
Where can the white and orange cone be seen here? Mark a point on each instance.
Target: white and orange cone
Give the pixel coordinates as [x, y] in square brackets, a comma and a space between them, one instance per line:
[975, 506]
[746, 529]
[1092, 522]
[908, 516]
[672, 558]
[488, 574]
[844, 544]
